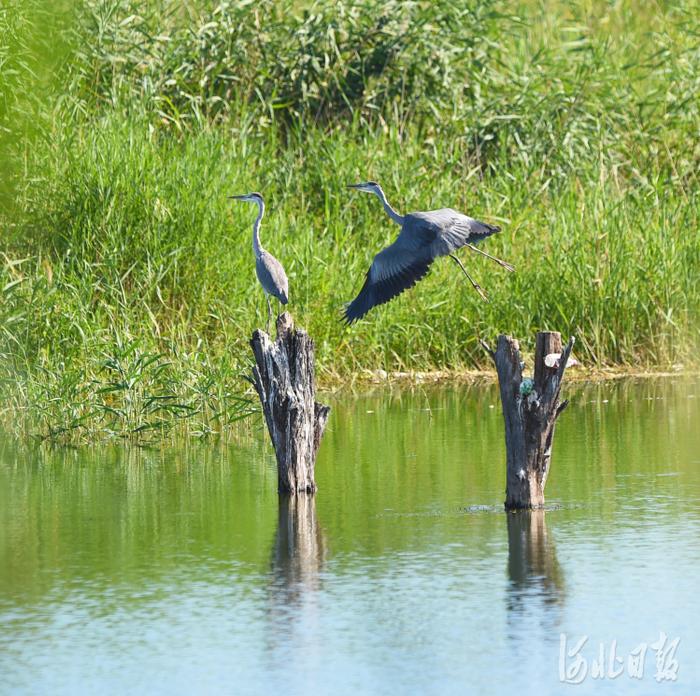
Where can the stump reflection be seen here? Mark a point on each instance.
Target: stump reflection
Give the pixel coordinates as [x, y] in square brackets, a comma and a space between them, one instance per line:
[294, 591]
[299, 548]
[533, 570]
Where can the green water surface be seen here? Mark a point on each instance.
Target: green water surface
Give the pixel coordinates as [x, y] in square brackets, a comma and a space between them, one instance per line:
[178, 570]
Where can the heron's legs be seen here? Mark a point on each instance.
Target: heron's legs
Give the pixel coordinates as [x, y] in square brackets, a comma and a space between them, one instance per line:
[269, 312]
[475, 285]
[505, 265]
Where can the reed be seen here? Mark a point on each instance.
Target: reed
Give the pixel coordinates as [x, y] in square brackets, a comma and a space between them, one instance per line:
[127, 279]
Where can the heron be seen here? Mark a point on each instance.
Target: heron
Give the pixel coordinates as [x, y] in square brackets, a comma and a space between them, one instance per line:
[424, 237]
[269, 270]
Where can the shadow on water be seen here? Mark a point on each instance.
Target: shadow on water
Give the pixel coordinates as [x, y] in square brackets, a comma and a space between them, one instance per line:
[536, 580]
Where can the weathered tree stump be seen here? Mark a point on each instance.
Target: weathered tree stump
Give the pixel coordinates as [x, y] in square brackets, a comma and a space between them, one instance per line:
[530, 410]
[284, 378]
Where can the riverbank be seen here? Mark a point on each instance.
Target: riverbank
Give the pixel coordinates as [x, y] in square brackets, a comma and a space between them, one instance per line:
[446, 377]
[127, 277]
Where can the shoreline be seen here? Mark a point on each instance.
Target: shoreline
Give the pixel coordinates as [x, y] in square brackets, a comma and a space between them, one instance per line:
[576, 374]
[29, 427]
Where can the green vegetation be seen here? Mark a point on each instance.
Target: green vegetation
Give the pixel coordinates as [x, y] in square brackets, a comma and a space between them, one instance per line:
[128, 289]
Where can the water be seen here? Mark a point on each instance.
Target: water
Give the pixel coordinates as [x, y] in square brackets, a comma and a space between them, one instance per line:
[176, 571]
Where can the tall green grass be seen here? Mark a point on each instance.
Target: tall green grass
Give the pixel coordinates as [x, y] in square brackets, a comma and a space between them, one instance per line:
[128, 279]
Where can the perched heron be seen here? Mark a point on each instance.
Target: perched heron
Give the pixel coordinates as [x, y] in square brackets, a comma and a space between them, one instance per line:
[268, 269]
[423, 238]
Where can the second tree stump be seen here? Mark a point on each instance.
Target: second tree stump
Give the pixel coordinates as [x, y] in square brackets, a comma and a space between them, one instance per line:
[530, 410]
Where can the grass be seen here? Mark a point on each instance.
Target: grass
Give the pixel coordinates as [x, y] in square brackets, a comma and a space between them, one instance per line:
[127, 277]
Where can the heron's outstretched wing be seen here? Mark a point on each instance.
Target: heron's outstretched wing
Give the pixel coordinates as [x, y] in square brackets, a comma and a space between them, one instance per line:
[394, 269]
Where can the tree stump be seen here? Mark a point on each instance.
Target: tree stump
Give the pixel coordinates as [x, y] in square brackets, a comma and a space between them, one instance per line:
[284, 379]
[530, 410]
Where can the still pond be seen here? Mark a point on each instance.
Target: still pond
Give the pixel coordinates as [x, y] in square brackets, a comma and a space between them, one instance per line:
[177, 571]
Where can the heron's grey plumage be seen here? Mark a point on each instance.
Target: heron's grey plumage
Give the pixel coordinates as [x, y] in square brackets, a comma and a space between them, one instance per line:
[272, 276]
[424, 237]
[269, 270]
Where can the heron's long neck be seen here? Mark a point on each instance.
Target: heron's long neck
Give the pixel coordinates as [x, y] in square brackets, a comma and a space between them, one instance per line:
[398, 219]
[257, 247]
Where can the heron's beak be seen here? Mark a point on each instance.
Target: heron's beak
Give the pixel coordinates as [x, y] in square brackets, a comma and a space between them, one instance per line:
[355, 186]
[238, 198]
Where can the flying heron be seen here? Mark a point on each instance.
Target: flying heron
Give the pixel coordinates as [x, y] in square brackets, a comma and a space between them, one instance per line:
[423, 238]
[268, 269]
